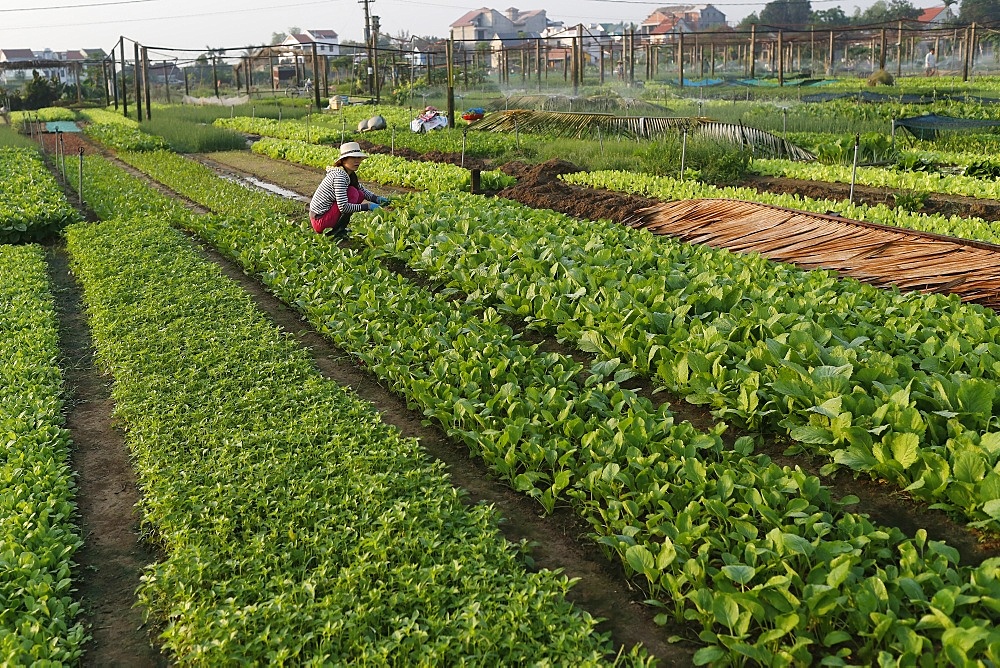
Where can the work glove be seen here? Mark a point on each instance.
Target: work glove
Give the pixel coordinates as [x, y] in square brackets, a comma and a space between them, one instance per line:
[382, 200]
[372, 206]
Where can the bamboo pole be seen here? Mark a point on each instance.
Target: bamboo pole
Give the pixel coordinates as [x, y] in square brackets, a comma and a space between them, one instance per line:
[781, 58]
[145, 82]
[124, 86]
[137, 82]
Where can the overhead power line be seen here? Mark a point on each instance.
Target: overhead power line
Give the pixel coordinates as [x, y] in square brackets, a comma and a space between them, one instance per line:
[242, 10]
[89, 4]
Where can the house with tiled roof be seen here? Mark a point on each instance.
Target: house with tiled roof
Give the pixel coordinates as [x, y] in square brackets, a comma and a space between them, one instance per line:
[594, 38]
[420, 50]
[327, 43]
[666, 30]
[695, 17]
[490, 25]
[61, 65]
[935, 17]
[11, 76]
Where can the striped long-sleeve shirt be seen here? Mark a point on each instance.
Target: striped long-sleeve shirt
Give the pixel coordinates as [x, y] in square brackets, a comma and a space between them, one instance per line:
[333, 190]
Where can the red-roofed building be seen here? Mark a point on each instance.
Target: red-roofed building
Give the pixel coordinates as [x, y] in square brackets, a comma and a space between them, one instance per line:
[696, 17]
[11, 77]
[60, 65]
[489, 25]
[666, 31]
[934, 17]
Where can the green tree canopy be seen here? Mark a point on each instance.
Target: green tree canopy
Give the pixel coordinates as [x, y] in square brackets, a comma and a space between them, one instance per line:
[884, 12]
[748, 21]
[981, 11]
[834, 16]
[40, 92]
[786, 13]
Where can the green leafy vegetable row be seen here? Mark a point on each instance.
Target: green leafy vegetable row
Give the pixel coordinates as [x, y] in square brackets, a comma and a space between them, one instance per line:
[753, 554]
[111, 193]
[287, 129]
[653, 496]
[32, 205]
[399, 135]
[43, 115]
[107, 117]
[39, 619]
[299, 528]
[198, 182]
[123, 137]
[386, 169]
[900, 386]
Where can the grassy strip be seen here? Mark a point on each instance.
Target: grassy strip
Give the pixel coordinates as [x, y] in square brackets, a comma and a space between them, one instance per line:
[32, 205]
[39, 620]
[299, 527]
[10, 137]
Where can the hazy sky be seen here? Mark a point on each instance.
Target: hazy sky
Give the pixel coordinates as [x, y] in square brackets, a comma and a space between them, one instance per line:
[196, 24]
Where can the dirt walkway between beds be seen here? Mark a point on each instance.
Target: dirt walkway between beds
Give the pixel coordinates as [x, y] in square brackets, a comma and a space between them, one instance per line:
[114, 552]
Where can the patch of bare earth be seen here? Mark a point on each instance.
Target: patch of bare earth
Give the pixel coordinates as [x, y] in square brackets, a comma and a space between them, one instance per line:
[114, 553]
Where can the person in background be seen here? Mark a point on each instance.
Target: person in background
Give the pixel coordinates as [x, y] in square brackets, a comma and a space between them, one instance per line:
[340, 194]
[930, 63]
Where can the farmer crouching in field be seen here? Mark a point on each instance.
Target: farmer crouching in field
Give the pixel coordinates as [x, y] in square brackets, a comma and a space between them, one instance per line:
[340, 193]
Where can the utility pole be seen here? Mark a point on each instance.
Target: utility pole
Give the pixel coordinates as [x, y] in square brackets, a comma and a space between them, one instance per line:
[368, 44]
[377, 89]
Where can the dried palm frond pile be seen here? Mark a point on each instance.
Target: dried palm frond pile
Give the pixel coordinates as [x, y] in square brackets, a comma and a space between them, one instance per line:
[877, 254]
[760, 143]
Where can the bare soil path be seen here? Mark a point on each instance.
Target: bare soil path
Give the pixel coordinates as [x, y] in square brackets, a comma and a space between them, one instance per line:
[114, 552]
[948, 205]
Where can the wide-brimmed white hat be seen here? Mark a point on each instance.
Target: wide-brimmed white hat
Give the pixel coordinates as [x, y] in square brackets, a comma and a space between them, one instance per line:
[351, 149]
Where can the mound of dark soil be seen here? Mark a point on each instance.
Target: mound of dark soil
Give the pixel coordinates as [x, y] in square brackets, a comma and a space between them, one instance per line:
[538, 186]
[543, 172]
[470, 162]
